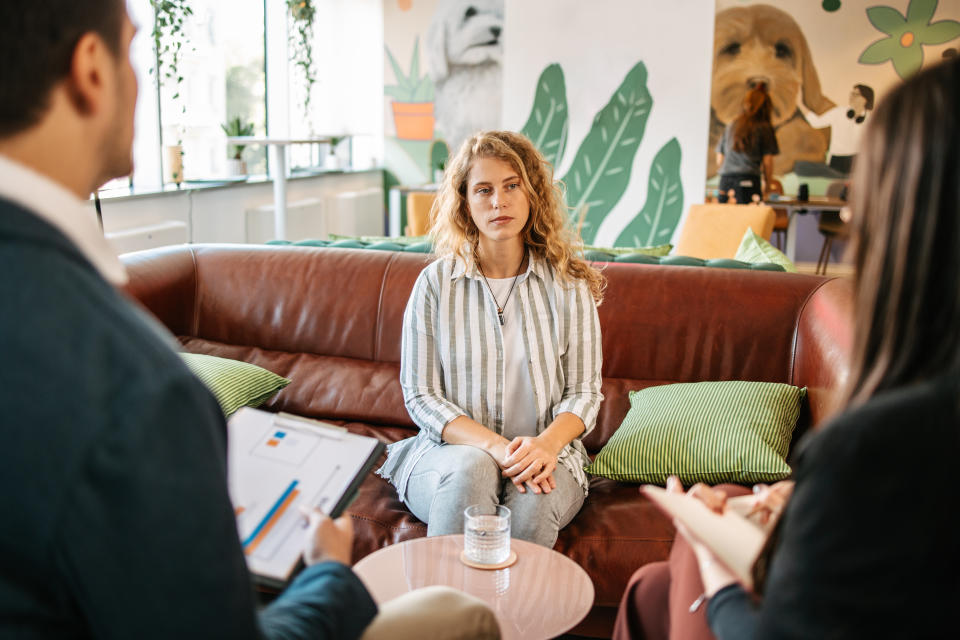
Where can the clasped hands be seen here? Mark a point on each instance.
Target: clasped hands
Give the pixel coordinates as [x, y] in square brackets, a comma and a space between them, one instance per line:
[529, 462]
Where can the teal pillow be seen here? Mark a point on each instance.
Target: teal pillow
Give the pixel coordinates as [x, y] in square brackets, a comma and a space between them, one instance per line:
[235, 384]
[405, 240]
[754, 249]
[659, 250]
[713, 432]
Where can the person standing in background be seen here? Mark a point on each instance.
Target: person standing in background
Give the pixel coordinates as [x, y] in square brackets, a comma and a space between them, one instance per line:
[746, 150]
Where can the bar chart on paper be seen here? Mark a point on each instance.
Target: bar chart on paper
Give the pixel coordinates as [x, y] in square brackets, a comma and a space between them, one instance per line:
[278, 464]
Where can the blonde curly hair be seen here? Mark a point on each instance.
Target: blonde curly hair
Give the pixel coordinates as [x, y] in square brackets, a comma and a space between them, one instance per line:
[547, 233]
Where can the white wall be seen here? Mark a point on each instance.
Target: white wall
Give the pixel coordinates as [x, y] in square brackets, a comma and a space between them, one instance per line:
[597, 43]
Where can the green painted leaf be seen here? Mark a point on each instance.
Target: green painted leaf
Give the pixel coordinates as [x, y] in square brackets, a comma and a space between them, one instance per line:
[547, 125]
[879, 52]
[601, 169]
[908, 60]
[919, 12]
[415, 61]
[397, 72]
[439, 154]
[887, 19]
[940, 32]
[661, 213]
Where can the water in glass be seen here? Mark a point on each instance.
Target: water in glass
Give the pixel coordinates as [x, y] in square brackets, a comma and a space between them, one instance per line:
[487, 537]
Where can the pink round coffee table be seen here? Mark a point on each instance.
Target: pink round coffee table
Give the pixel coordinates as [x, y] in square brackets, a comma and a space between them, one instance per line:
[541, 596]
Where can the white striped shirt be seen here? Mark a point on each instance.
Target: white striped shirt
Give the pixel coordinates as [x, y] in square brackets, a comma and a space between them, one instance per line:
[452, 360]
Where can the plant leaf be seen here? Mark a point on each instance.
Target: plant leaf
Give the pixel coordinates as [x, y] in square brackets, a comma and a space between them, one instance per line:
[601, 169]
[879, 52]
[415, 62]
[887, 19]
[548, 123]
[920, 12]
[661, 212]
[401, 85]
[908, 60]
[940, 32]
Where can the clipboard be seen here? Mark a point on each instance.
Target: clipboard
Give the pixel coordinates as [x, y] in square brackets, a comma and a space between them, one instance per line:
[277, 463]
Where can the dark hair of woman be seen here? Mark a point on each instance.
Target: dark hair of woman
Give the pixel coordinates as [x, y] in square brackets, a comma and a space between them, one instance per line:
[757, 108]
[906, 237]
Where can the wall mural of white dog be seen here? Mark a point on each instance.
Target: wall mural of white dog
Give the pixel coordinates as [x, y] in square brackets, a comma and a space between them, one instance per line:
[464, 49]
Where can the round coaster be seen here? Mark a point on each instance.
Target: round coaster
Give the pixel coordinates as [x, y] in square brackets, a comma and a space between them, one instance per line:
[511, 559]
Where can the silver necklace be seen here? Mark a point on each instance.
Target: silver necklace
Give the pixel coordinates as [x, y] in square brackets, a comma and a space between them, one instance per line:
[500, 307]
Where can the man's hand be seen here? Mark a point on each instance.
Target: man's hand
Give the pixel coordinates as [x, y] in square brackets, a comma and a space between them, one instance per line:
[327, 539]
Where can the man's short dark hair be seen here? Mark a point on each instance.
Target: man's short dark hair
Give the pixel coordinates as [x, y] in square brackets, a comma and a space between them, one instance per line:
[37, 41]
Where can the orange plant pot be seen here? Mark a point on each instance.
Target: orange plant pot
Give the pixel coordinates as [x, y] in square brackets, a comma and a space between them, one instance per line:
[413, 120]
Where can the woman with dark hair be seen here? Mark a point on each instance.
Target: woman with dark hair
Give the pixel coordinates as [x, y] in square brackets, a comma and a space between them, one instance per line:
[867, 546]
[747, 148]
[500, 365]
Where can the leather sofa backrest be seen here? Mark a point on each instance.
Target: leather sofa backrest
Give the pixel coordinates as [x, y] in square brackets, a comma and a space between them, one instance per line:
[330, 319]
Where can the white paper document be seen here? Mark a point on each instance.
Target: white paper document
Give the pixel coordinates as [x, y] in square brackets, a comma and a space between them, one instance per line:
[278, 463]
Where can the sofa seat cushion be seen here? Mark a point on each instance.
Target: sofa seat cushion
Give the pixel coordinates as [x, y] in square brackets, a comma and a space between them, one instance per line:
[616, 532]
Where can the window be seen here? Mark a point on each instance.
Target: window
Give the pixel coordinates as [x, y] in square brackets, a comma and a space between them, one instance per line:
[224, 78]
[237, 52]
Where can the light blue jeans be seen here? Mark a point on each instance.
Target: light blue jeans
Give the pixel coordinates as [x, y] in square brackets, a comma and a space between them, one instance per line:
[448, 479]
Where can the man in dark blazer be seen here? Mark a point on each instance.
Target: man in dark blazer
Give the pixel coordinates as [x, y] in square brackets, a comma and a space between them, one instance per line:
[114, 516]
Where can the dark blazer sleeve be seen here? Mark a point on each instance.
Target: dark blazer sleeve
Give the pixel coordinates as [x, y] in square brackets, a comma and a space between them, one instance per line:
[148, 540]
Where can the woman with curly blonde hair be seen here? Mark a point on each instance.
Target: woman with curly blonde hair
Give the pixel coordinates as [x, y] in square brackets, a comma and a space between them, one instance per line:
[500, 366]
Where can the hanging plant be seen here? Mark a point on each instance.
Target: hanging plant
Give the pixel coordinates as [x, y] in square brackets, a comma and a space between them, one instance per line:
[302, 12]
[169, 39]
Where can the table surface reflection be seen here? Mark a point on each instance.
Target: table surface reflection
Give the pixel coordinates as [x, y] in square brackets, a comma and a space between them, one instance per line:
[542, 595]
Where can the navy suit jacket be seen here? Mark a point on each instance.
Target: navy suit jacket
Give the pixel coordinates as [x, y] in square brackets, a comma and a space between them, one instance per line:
[114, 516]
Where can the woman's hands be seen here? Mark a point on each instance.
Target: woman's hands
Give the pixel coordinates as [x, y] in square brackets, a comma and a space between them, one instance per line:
[713, 574]
[769, 501]
[530, 461]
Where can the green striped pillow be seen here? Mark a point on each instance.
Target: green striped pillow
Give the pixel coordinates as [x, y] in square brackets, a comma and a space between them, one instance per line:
[235, 384]
[710, 432]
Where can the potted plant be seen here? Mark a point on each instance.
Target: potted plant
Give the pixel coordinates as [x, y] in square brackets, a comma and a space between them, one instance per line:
[332, 161]
[412, 99]
[169, 39]
[234, 128]
[302, 13]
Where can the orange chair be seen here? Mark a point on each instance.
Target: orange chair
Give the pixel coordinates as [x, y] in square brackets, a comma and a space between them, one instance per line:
[419, 204]
[716, 230]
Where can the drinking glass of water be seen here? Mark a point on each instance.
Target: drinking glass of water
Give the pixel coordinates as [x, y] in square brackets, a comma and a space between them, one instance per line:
[486, 533]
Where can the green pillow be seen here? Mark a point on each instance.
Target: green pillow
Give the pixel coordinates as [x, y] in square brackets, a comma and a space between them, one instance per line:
[755, 249]
[711, 432]
[372, 239]
[235, 384]
[659, 250]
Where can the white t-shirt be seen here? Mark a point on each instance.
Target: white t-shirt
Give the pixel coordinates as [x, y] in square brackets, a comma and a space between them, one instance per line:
[519, 405]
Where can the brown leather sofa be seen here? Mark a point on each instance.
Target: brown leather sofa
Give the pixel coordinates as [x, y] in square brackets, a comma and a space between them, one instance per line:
[330, 320]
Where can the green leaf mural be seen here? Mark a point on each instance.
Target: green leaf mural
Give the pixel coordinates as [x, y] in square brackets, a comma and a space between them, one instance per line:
[601, 169]
[547, 126]
[660, 214]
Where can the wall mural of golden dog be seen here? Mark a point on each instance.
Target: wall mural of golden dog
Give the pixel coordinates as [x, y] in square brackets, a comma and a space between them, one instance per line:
[760, 43]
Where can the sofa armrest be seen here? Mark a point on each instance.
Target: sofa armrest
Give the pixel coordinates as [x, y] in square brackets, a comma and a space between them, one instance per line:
[164, 281]
[824, 342]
